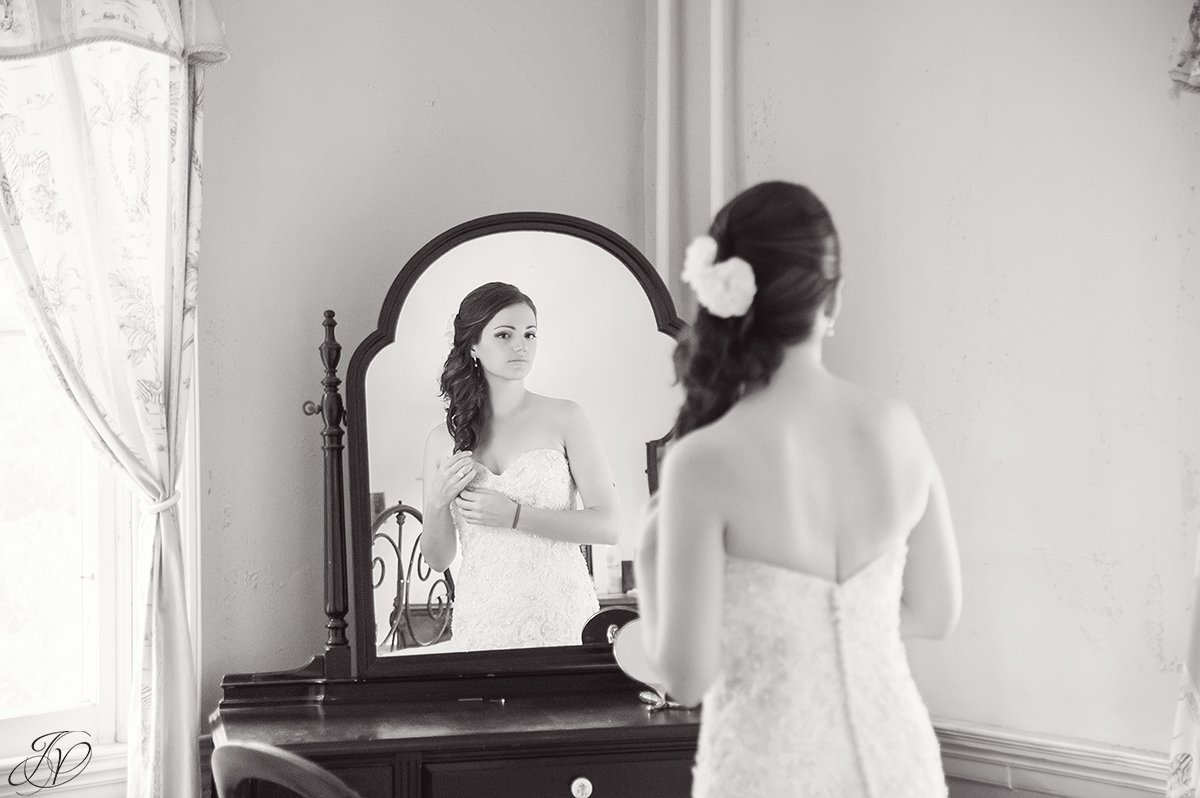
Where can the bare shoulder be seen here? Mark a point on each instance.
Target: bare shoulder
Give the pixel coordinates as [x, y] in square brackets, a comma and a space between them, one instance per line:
[893, 423]
[703, 459]
[565, 414]
[899, 421]
[438, 442]
[888, 414]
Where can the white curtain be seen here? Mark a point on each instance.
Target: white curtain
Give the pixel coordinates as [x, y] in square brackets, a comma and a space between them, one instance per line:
[1186, 70]
[100, 170]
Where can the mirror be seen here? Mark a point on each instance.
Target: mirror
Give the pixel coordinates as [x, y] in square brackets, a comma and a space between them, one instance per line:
[605, 333]
[629, 650]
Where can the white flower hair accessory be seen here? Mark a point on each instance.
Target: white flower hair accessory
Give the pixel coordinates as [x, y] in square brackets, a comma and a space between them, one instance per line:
[725, 289]
[450, 330]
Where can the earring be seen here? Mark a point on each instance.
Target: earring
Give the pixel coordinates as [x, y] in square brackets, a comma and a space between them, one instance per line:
[829, 331]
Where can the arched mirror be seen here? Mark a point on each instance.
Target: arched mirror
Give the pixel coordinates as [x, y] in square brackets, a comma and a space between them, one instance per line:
[605, 330]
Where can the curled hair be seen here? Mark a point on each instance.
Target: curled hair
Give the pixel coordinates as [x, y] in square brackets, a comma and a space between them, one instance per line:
[787, 236]
[462, 383]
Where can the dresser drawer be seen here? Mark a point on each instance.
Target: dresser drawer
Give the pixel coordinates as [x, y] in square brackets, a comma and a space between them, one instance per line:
[576, 777]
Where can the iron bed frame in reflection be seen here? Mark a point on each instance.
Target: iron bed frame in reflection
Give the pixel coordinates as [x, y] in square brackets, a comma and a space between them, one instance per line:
[435, 627]
[439, 601]
[434, 624]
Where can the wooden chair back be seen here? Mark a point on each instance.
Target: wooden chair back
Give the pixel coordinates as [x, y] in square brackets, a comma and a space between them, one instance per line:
[234, 763]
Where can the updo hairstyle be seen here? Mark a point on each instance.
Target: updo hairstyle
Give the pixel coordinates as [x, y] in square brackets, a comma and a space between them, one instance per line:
[787, 236]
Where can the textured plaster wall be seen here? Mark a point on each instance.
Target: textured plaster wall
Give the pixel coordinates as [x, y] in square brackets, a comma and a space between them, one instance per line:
[1016, 188]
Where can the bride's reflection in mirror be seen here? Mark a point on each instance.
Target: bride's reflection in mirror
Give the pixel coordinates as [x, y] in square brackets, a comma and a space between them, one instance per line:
[592, 335]
[514, 483]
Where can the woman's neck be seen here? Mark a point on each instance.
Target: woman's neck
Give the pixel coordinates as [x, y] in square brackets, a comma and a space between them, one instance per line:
[506, 396]
[801, 363]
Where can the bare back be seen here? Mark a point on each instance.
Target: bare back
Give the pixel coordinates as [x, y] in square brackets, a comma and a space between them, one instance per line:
[828, 478]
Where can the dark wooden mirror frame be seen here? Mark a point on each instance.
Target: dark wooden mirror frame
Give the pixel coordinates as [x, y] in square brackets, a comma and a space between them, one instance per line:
[501, 665]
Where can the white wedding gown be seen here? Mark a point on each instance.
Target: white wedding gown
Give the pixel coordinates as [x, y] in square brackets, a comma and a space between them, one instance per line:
[513, 589]
[815, 697]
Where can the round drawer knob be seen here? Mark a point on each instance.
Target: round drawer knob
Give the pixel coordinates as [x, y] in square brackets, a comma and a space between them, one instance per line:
[581, 788]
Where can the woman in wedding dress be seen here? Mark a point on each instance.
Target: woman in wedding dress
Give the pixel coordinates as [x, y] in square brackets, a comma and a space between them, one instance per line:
[801, 530]
[500, 481]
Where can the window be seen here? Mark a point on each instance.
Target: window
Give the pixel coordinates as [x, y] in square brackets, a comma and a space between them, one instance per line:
[65, 521]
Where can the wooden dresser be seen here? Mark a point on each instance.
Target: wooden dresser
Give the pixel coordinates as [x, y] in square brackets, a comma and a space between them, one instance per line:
[595, 743]
[555, 721]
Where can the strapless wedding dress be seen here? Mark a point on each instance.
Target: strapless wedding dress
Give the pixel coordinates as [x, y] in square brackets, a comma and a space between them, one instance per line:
[513, 589]
[815, 698]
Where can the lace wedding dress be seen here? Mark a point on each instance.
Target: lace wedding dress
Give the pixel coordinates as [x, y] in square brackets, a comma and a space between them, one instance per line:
[815, 697]
[513, 589]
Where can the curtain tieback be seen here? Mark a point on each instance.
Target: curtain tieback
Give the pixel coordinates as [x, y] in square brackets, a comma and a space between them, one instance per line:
[163, 506]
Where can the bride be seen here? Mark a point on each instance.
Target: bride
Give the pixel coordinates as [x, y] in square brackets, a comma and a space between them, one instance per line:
[801, 530]
[500, 480]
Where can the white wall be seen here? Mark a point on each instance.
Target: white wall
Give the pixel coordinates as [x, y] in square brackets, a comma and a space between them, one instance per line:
[1016, 189]
[336, 144]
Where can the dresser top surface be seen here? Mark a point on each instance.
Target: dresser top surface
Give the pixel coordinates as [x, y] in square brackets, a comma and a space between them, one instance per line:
[464, 723]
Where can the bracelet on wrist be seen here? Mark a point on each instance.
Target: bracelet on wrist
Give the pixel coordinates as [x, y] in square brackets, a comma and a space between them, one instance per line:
[516, 516]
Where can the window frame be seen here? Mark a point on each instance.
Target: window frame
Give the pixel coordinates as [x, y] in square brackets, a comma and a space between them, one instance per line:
[107, 622]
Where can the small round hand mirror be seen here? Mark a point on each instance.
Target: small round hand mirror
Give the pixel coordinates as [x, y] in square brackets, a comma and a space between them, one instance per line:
[630, 652]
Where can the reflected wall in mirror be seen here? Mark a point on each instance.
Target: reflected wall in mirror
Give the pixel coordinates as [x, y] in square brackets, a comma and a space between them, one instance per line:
[598, 345]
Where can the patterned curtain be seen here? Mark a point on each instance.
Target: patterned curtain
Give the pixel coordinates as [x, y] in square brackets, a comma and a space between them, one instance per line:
[100, 117]
[1186, 71]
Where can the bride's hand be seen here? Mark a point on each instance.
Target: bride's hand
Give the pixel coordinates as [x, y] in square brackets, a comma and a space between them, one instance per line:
[485, 507]
[452, 476]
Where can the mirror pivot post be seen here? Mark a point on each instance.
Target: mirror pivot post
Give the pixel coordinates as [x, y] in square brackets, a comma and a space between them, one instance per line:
[332, 410]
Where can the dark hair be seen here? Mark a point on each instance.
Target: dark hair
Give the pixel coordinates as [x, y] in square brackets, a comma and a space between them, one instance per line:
[463, 385]
[787, 236]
